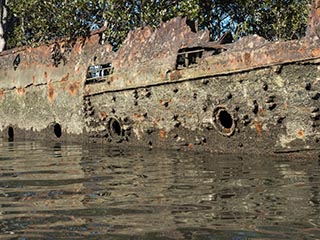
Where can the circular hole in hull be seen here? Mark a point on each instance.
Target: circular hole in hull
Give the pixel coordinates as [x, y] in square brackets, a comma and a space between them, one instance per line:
[57, 130]
[224, 121]
[115, 129]
[10, 133]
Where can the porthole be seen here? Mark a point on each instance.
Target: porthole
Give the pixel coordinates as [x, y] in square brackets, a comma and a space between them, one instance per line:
[224, 121]
[10, 134]
[115, 129]
[57, 130]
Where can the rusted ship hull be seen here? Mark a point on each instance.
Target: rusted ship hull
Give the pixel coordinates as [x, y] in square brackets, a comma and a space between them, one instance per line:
[267, 110]
[168, 88]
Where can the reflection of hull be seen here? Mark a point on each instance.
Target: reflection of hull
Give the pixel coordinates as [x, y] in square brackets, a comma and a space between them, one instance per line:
[250, 96]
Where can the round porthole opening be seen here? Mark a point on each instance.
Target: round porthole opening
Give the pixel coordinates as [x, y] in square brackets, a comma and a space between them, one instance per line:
[57, 130]
[115, 128]
[10, 133]
[224, 121]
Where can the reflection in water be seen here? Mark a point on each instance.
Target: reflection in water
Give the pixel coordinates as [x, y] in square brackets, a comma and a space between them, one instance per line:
[89, 192]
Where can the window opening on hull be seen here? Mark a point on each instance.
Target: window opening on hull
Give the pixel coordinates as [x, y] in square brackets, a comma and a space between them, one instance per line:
[99, 73]
[188, 57]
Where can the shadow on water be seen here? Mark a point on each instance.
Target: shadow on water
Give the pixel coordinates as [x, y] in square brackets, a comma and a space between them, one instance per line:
[90, 192]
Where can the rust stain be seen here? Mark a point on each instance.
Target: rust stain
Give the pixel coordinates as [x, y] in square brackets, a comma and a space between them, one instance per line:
[300, 133]
[175, 75]
[103, 114]
[155, 123]
[65, 78]
[258, 127]
[137, 115]
[111, 79]
[262, 111]
[74, 88]
[1, 93]
[162, 134]
[315, 52]
[50, 92]
[45, 75]
[190, 145]
[247, 59]
[21, 91]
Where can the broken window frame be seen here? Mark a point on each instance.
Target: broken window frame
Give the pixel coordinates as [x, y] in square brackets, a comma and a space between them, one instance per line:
[98, 73]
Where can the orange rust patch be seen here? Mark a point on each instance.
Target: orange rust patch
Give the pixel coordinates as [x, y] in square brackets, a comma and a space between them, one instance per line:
[190, 145]
[65, 78]
[1, 93]
[137, 115]
[74, 88]
[315, 52]
[262, 111]
[258, 127]
[300, 133]
[247, 59]
[21, 91]
[103, 114]
[45, 75]
[155, 123]
[175, 75]
[50, 92]
[162, 134]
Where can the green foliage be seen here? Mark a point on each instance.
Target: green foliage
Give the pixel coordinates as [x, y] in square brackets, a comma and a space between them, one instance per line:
[37, 21]
[273, 19]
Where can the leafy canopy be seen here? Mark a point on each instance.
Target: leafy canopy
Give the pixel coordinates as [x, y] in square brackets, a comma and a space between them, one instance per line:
[34, 21]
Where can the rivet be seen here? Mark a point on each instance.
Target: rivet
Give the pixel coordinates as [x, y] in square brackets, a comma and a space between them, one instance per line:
[265, 87]
[175, 117]
[316, 96]
[272, 106]
[255, 107]
[148, 94]
[177, 124]
[308, 86]
[205, 81]
[195, 96]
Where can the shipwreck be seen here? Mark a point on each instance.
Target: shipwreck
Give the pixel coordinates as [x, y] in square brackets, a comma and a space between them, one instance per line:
[169, 87]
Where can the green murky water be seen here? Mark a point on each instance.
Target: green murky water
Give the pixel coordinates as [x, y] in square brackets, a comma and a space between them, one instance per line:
[90, 192]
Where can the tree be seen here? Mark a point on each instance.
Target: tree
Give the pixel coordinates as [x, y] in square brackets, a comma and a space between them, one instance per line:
[272, 19]
[42, 20]
[3, 23]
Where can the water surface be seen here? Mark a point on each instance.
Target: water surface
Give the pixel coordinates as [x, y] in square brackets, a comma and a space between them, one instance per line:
[52, 191]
